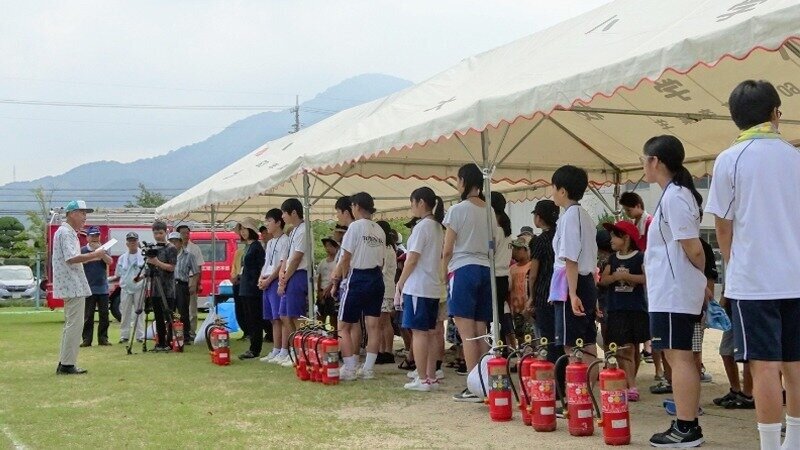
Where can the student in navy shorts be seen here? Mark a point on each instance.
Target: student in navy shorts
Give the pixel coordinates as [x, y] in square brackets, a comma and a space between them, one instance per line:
[420, 285]
[293, 284]
[275, 254]
[363, 251]
[676, 285]
[466, 253]
[572, 289]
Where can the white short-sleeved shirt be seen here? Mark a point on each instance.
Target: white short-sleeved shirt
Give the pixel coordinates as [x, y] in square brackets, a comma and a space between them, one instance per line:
[472, 241]
[674, 284]
[755, 186]
[297, 243]
[502, 253]
[389, 272]
[576, 240]
[366, 243]
[69, 280]
[325, 270]
[195, 250]
[275, 254]
[427, 240]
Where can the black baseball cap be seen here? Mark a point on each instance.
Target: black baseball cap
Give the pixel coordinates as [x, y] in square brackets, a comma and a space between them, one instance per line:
[331, 241]
[131, 236]
[183, 225]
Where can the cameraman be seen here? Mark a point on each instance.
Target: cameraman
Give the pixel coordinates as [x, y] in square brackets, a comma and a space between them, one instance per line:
[163, 266]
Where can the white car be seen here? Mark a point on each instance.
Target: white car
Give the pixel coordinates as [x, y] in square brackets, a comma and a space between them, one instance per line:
[17, 282]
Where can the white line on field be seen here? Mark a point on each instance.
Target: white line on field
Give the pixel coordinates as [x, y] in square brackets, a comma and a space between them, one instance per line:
[14, 441]
[25, 312]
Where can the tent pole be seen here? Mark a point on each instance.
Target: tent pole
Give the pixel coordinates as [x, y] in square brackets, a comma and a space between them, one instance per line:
[617, 193]
[490, 222]
[214, 258]
[309, 253]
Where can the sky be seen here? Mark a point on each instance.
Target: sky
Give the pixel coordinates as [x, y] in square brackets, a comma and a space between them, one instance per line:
[221, 53]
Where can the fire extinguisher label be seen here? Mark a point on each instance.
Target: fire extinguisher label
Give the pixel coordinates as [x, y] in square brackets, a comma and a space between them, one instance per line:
[499, 382]
[333, 373]
[547, 410]
[501, 402]
[584, 413]
[621, 423]
[614, 401]
[541, 390]
[332, 357]
[578, 394]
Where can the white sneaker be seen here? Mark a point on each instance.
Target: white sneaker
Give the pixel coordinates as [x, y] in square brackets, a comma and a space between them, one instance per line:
[278, 359]
[268, 358]
[434, 385]
[366, 374]
[440, 374]
[412, 374]
[417, 385]
[346, 374]
[287, 363]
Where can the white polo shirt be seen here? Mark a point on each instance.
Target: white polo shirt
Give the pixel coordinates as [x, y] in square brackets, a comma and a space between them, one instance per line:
[366, 243]
[674, 284]
[275, 253]
[755, 185]
[576, 240]
[69, 280]
[297, 243]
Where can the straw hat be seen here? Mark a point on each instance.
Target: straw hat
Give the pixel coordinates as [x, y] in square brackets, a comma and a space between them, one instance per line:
[250, 223]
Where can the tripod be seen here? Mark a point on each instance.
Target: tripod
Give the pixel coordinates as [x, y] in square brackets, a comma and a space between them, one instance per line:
[150, 279]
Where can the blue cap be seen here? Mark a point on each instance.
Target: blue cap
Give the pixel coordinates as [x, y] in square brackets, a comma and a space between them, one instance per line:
[93, 230]
[77, 205]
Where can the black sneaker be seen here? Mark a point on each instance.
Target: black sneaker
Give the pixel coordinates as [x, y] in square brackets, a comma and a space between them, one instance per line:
[674, 438]
[467, 397]
[727, 398]
[741, 402]
[647, 357]
[663, 387]
[560, 412]
[161, 348]
[462, 369]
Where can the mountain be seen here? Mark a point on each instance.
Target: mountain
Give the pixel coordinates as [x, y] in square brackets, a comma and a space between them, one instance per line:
[202, 159]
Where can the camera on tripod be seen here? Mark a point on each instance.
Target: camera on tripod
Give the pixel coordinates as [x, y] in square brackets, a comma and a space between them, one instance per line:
[151, 250]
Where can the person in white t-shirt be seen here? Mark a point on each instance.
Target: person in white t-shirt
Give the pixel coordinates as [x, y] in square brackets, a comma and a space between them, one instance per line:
[362, 258]
[420, 286]
[676, 285]
[293, 282]
[502, 264]
[268, 282]
[466, 254]
[755, 199]
[385, 353]
[325, 302]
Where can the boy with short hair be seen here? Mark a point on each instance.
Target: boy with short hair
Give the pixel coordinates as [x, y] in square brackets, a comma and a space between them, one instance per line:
[633, 207]
[573, 288]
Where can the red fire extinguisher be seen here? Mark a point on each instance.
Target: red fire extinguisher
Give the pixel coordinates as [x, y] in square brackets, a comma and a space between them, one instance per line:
[220, 345]
[615, 418]
[541, 390]
[177, 334]
[580, 417]
[297, 340]
[499, 397]
[311, 354]
[524, 372]
[330, 360]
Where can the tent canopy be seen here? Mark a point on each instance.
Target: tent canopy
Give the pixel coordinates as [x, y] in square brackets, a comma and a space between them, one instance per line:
[588, 91]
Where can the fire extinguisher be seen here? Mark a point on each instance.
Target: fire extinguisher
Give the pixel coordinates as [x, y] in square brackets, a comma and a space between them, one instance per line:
[329, 366]
[313, 364]
[177, 334]
[614, 415]
[540, 389]
[499, 398]
[217, 339]
[578, 408]
[296, 343]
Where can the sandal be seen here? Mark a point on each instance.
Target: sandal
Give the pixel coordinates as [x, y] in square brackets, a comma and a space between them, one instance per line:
[407, 365]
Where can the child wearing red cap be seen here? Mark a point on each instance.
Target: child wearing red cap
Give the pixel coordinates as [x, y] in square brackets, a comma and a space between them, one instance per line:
[628, 322]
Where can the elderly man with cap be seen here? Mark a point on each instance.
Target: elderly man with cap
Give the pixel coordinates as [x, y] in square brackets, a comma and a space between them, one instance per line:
[129, 265]
[70, 284]
[97, 276]
[187, 271]
[194, 249]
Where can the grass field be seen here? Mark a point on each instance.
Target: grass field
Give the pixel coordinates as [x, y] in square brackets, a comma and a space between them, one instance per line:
[183, 401]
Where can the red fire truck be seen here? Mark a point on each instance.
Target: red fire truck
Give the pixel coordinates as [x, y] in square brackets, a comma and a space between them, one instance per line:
[115, 224]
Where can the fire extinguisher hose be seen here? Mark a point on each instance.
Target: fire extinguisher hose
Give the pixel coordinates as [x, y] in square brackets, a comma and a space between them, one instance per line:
[589, 386]
[562, 394]
[510, 378]
[480, 373]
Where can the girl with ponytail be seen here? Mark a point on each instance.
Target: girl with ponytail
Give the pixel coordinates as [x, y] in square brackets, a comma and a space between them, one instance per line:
[502, 264]
[420, 287]
[676, 285]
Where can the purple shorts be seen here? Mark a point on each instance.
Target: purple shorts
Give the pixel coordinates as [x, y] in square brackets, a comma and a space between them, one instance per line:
[294, 303]
[272, 302]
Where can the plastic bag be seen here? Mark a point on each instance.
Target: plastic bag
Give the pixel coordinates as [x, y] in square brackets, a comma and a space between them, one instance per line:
[200, 337]
[716, 317]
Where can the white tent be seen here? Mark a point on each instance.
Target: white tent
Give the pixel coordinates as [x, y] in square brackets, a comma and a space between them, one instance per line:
[588, 91]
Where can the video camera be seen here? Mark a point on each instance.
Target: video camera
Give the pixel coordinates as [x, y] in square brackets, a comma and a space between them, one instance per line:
[151, 250]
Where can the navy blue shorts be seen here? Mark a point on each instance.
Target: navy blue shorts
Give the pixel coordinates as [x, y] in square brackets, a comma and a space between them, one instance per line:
[569, 327]
[272, 302]
[362, 294]
[294, 302]
[420, 313]
[470, 293]
[766, 330]
[672, 331]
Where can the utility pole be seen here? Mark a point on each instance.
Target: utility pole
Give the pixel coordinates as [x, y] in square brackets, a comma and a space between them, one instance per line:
[296, 111]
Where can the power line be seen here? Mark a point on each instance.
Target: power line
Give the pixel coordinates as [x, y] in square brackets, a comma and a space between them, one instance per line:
[91, 189]
[149, 107]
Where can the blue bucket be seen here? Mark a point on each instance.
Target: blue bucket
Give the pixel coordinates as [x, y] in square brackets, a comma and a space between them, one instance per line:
[227, 312]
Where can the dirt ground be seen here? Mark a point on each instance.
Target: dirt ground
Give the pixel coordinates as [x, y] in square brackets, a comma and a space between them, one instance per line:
[436, 421]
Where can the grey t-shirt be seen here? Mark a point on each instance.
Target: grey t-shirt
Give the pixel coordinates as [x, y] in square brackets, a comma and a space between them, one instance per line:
[472, 242]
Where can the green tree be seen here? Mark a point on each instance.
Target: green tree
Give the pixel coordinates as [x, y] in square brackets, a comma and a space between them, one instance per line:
[146, 199]
[14, 239]
[38, 218]
[606, 217]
